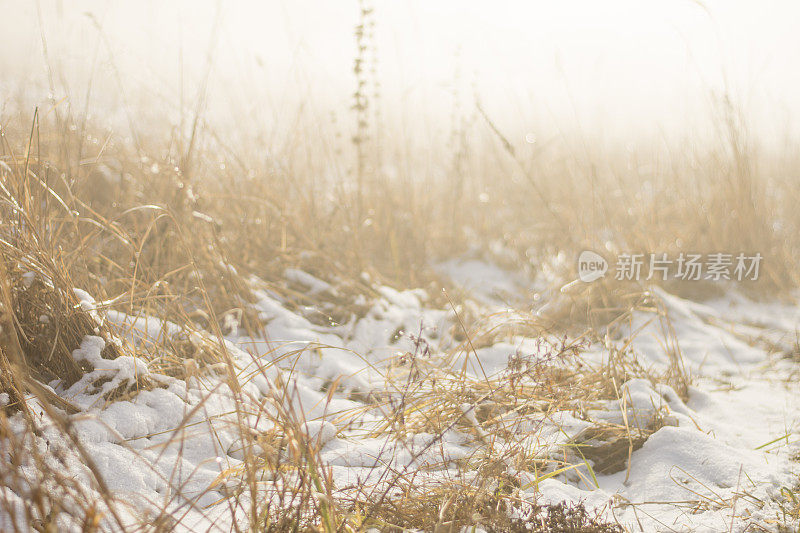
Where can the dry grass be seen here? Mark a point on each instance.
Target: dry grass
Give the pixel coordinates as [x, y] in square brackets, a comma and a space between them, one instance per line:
[186, 231]
[146, 239]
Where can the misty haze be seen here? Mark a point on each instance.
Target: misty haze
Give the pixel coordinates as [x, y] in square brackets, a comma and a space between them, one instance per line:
[446, 266]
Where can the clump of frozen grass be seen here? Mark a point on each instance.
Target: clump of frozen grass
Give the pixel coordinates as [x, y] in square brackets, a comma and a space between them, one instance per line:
[281, 481]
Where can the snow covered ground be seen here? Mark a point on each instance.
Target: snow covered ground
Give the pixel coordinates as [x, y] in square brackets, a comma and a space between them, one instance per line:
[720, 461]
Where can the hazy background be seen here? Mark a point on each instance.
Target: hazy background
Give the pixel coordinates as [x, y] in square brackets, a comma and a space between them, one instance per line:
[622, 70]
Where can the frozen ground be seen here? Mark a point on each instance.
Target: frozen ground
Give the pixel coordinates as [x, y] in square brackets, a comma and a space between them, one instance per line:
[717, 462]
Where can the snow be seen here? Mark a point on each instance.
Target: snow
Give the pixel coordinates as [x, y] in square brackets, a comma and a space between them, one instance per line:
[170, 444]
[313, 284]
[486, 281]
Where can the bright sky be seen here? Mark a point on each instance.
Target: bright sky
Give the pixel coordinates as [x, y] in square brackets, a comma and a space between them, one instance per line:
[618, 68]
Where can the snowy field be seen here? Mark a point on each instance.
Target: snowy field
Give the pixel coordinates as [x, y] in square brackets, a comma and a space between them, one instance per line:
[342, 267]
[642, 457]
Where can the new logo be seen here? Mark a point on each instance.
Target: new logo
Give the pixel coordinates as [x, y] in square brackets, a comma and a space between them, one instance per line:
[591, 266]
